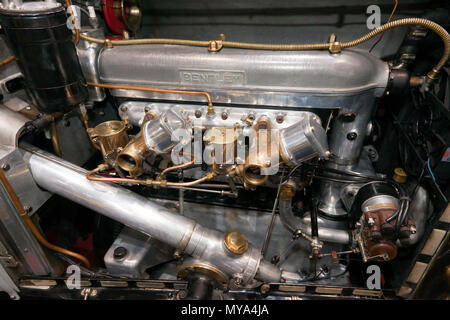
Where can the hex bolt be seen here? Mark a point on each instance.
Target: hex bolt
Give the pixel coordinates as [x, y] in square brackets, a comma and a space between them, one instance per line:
[352, 136]
[5, 167]
[198, 113]
[120, 253]
[123, 108]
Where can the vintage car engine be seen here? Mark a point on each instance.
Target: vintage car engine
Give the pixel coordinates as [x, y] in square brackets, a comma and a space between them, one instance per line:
[218, 169]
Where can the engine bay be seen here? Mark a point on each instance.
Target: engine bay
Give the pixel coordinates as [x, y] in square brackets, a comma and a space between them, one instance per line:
[138, 164]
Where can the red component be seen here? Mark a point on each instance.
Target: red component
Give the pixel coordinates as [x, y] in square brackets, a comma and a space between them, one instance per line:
[112, 20]
[335, 257]
[86, 248]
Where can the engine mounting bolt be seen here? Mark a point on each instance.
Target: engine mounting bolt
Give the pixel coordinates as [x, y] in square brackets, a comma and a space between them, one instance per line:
[352, 135]
[224, 115]
[120, 253]
[198, 113]
[279, 118]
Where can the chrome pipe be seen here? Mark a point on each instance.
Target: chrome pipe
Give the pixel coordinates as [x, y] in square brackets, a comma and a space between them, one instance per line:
[67, 180]
[293, 223]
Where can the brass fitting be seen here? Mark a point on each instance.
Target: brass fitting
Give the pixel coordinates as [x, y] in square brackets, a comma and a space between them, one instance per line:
[103, 167]
[131, 158]
[287, 191]
[211, 110]
[235, 242]
[400, 175]
[156, 183]
[110, 137]
[335, 46]
[215, 45]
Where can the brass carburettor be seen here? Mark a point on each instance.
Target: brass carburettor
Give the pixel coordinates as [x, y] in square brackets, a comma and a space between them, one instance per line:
[110, 137]
[154, 137]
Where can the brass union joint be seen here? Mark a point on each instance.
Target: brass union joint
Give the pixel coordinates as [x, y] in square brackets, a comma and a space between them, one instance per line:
[335, 46]
[235, 242]
[287, 190]
[215, 45]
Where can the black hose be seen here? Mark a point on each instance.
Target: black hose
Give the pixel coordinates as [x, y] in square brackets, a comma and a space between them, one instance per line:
[314, 223]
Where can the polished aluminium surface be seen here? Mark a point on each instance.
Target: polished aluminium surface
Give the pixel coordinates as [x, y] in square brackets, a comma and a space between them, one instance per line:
[88, 56]
[419, 209]
[139, 252]
[158, 133]
[331, 198]
[127, 207]
[304, 140]
[226, 116]
[7, 284]
[307, 78]
[19, 176]
[20, 239]
[12, 126]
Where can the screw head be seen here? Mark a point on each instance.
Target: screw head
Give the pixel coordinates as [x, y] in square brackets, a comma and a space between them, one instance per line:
[198, 113]
[279, 118]
[5, 167]
[352, 136]
[120, 253]
[224, 115]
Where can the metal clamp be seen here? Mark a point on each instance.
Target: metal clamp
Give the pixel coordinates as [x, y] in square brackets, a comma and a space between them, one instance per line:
[335, 46]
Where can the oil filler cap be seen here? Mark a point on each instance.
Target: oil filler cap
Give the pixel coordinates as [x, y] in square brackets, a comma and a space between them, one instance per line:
[235, 242]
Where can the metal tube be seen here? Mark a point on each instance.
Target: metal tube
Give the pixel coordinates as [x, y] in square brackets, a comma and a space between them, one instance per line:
[69, 181]
[293, 223]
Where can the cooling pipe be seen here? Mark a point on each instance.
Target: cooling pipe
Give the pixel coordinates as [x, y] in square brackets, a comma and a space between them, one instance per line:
[69, 181]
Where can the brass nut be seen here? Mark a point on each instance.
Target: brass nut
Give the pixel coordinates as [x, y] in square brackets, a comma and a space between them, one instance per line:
[287, 191]
[235, 242]
[400, 175]
[215, 45]
[265, 288]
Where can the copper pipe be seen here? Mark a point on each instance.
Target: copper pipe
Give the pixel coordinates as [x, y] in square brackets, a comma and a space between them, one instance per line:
[7, 60]
[31, 225]
[74, 22]
[389, 20]
[161, 183]
[90, 176]
[55, 139]
[180, 166]
[206, 177]
[125, 87]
